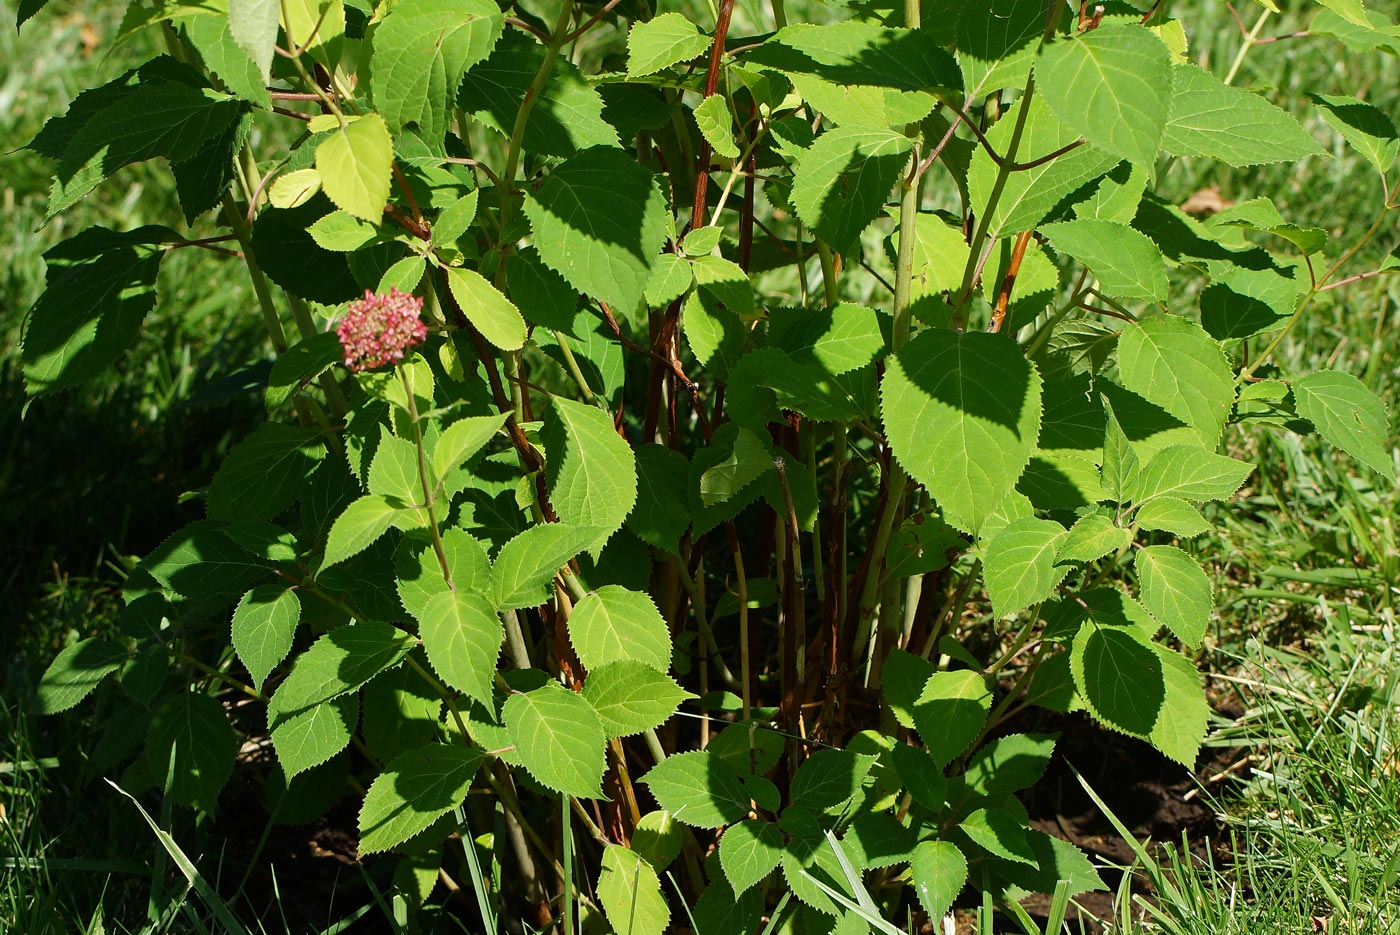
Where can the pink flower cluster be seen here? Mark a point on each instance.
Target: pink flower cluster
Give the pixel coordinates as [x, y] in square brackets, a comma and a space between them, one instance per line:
[378, 329]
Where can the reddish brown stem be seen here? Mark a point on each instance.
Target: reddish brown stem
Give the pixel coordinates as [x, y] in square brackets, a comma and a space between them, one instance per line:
[1008, 282]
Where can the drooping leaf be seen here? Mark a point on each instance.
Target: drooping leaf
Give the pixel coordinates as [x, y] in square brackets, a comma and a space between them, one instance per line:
[630, 892]
[253, 25]
[76, 671]
[1261, 214]
[418, 54]
[417, 788]
[1176, 590]
[591, 470]
[1368, 129]
[1019, 564]
[1347, 415]
[699, 789]
[264, 624]
[630, 697]
[1113, 85]
[599, 220]
[558, 738]
[962, 413]
[1126, 263]
[1171, 362]
[191, 741]
[1000, 832]
[1211, 119]
[613, 624]
[661, 42]
[462, 637]
[355, 162]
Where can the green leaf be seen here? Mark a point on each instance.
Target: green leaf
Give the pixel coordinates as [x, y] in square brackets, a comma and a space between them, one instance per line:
[630, 697]
[558, 738]
[1019, 564]
[213, 37]
[355, 162]
[716, 334]
[717, 125]
[1126, 263]
[1181, 728]
[599, 220]
[1010, 763]
[265, 472]
[358, 527]
[1113, 85]
[294, 189]
[462, 637]
[1173, 363]
[748, 461]
[1368, 129]
[835, 340]
[1347, 415]
[828, 777]
[613, 624]
[939, 872]
[1260, 214]
[1118, 673]
[193, 731]
[1188, 473]
[853, 53]
[591, 470]
[658, 838]
[463, 439]
[527, 563]
[342, 232]
[295, 368]
[670, 280]
[997, 42]
[264, 624]
[841, 183]
[99, 289]
[877, 839]
[253, 25]
[903, 679]
[311, 737]
[418, 573]
[418, 54]
[630, 892]
[416, 789]
[76, 671]
[1241, 303]
[950, 712]
[567, 116]
[393, 473]
[662, 513]
[699, 789]
[749, 851]
[336, 664]
[164, 118]
[1173, 515]
[1176, 590]
[495, 316]
[1001, 833]
[1091, 538]
[962, 413]
[661, 42]
[200, 562]
[1211, 119]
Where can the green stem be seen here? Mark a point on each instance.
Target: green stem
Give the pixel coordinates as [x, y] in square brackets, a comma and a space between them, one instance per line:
[261, 289]
[1244, 48]
[424, 481]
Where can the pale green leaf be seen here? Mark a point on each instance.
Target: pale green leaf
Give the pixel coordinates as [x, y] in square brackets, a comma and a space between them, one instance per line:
[1113, 85]
[658, 838]
[1189, 473]
[417, 788]
[1211, 119]
[357, 528]
[76, 671]
[939, 872]
[355, 162]
[717, 125]
[418, 54]
[591, 470]
[1368, 129]
[454, 220]
[495, 316]
[599, 220]
[835, 340]
[1019, 564]
[1125, 262]
[613, 624]
[748, 461]
[843, 180]
[1176, 590]
[193, 731]
[1181, 728]
[318, 26]
[226, 58]
[253, 25]
[1349, 416]
[342, 232]
[630, 697]
[527, 563]
[1171, 362]
[393, 473]
[962, 413]
[670, 280]
[264, 623]
[418, 572]
[462, 637]
[1261, 214]
[294, 189]
[1173, 515]
[630, 892]
[749, 851]
[463, 439]
[699, 789]
[1091, 538]
[558, 738]
[661, 42]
